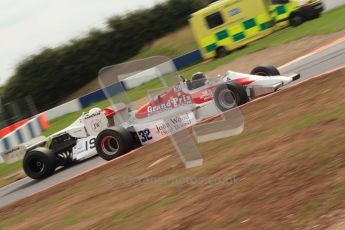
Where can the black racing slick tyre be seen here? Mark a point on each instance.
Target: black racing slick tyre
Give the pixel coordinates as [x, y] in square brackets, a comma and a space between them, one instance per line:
[113, 142]
[39, 163]
[265, 70]
[228, 96]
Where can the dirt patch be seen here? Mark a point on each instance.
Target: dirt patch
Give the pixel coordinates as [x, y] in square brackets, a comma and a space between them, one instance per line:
[279, 55]
[11, 178]
[338, 226]
[286, 170]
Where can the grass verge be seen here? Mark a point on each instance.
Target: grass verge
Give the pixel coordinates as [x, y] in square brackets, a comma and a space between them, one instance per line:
[172, 45]
[10, 173]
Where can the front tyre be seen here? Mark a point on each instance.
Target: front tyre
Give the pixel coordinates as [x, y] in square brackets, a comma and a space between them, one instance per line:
[39, 163]
[228, 96]
[113, 142]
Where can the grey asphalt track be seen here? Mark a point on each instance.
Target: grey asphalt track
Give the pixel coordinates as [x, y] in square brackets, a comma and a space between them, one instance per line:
[317, 63]
[309, 66]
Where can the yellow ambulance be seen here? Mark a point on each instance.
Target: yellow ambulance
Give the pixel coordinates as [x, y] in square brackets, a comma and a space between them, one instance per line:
[229, 24]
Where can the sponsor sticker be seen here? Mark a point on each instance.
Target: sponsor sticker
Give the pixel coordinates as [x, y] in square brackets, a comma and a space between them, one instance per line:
[14, 154]
[173, 102]
[85, 148]
[159, 129]
[95, 123]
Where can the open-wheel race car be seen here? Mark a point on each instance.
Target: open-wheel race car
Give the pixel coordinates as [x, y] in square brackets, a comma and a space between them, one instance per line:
[118, 129]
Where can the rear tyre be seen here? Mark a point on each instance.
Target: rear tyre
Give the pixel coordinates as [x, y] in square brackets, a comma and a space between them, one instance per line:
[295, 20]
[229, 96]
[265, 70]
[221, 52]
[39, 163]
[113, 142]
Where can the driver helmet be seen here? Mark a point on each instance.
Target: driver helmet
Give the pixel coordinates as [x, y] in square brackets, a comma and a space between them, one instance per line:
[94, 111]
[199, 77]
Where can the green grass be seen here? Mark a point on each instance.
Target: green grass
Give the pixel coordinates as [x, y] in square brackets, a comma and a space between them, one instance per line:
[62, 122]
[171, 45]
[70, 220]
[10, 173]
[338, 192]
[7, 169]
[311, 208]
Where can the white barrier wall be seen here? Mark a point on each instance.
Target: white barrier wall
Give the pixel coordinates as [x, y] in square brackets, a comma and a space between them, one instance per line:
[63, 109]
[23, 134]
[148, 75]
[331, 4]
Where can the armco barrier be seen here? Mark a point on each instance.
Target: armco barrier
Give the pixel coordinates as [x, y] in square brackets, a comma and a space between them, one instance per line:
[90, 98]
[188, 59]
[26, 132]
[148, 75]
[63, 109]
[11, 128]
[133, 81]
[99, 95]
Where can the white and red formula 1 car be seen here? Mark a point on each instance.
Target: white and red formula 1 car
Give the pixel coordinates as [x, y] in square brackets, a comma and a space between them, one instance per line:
[118, 129]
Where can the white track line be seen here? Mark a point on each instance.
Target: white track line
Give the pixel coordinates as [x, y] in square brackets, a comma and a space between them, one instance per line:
[318, 50]
[3, 188]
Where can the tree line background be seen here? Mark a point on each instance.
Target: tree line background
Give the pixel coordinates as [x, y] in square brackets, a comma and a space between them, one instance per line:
[53, 73]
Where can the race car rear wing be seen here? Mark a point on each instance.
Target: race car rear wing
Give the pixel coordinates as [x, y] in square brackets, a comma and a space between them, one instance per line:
[17, 153]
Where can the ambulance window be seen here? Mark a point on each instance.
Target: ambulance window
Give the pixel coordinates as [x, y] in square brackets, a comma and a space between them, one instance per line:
[276, 2]
[214, 20]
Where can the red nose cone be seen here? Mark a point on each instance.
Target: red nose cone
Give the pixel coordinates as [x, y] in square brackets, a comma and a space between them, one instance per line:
[243, 81]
